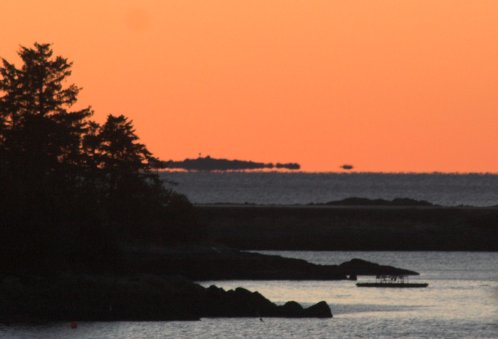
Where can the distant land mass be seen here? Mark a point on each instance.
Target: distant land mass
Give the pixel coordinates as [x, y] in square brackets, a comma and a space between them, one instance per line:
[212, 164]
[354, 201]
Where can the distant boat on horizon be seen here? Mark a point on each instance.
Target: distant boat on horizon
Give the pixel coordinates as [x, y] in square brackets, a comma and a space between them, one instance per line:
[347, 167]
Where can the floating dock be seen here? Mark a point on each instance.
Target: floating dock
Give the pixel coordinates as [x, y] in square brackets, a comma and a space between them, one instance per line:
[392, 281]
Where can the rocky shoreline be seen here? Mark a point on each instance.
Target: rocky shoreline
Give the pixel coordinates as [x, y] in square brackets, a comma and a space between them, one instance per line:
[156, 284]
[83, 297]
[222, 263]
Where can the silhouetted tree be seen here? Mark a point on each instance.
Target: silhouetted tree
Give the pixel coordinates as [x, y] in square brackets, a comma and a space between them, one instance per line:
[41, 136]
[69, 184]
[122, 157]
[124, 165]
[136, 196]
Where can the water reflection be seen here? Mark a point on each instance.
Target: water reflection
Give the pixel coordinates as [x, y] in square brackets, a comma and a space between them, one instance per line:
[461, 301]
[462, 286]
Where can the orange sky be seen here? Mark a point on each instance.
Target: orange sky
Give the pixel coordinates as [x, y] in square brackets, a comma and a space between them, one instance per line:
[384, 85]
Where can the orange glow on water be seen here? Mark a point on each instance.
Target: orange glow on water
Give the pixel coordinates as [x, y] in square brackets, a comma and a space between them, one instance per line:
[385, 85]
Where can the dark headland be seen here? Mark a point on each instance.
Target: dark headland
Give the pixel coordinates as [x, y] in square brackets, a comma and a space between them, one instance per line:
[354, 224]
[89, 232]
[145, 297]
[79, 197]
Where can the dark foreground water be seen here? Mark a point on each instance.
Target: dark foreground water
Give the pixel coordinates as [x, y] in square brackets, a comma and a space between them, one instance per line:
[303, 188]
[460, 302]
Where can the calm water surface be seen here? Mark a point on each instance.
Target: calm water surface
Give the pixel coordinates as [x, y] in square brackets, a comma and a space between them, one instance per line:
[303, 188]
[460, 302]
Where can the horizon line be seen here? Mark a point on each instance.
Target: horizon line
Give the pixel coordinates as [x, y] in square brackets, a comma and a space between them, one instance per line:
[335, 172]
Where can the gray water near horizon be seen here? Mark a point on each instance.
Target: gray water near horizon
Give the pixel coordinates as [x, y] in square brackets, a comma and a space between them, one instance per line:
[302, 188]
[460, 302]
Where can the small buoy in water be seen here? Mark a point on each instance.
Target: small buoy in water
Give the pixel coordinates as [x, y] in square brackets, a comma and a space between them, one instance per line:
[74, 325]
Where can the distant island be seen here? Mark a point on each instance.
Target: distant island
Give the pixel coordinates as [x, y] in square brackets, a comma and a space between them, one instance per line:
[212, 164]
[355, 201]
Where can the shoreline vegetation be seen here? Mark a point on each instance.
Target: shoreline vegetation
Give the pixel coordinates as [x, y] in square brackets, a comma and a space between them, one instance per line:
[352, 225]
[89, 232]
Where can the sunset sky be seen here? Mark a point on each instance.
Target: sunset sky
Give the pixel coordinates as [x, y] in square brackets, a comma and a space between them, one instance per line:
[385, 85]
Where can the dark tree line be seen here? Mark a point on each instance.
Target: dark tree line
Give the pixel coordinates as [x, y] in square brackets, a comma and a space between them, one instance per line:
[69, 184]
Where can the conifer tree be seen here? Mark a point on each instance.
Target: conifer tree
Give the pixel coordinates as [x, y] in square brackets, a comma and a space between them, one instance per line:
[41, 136]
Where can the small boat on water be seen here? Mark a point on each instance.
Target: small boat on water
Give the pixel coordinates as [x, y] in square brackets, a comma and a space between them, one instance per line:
[393, 281]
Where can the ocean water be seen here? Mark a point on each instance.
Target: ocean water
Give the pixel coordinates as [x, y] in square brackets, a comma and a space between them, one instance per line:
[460, 302]
[304, 188]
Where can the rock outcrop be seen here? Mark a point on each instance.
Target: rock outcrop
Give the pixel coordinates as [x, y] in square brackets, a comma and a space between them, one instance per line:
[133, 298]
[221, 263]
[243, 303]
[357, 267]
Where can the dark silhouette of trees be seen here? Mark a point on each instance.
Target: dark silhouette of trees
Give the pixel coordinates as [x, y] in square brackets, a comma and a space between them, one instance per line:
[40, 136]
[124, 161]
[66, 180]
